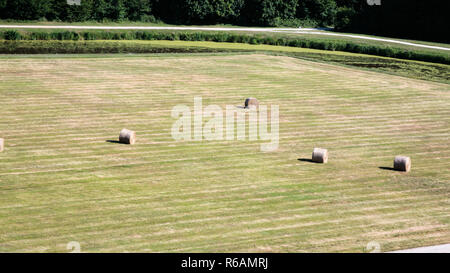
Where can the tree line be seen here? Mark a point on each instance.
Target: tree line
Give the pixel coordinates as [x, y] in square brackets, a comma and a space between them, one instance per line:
[415, 19]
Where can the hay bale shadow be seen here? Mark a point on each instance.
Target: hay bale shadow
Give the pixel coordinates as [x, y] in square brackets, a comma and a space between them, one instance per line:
[388, 168]
[114, 141]
[307, 160]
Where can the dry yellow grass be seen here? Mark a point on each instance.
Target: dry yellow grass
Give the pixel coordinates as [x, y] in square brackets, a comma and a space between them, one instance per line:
[61, 181]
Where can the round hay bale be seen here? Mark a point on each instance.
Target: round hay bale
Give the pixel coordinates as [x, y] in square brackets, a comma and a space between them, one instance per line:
[2, 144]
[251, 102]
[402, 163]
[320, 155]
[127, 137]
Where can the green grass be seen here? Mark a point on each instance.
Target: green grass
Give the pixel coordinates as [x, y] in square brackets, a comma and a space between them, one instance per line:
[370, 42]
[61, 181]
[407, 68]
[90, 47]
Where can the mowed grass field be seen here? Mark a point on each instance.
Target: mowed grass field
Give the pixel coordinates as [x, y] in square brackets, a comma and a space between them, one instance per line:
[61, 180]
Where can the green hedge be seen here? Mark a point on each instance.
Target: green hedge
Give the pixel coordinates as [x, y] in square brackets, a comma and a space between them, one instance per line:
[78, 47]
[378, 50]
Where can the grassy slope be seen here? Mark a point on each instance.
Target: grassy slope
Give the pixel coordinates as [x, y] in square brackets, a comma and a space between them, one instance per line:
[409, 47]
[61, 181]
[407, 68]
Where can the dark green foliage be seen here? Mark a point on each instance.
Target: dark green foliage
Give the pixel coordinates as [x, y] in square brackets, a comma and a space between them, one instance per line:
[212, 11]
[322, 11]
[412, 19]
[25, 9]
[344, 18]
[198, 12]
[11, 35]
[248, 12]
[268, 12]
[415, 19]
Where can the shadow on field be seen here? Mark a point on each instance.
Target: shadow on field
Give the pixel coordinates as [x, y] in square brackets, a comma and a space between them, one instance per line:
[388, 168]
[306, 160]
[115, 141]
